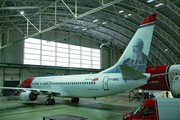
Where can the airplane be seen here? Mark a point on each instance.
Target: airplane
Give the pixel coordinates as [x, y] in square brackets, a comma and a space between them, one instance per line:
[167, 81]
[116, 79]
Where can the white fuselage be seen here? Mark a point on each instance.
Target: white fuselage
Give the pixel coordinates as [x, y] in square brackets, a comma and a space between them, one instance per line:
[89, 85]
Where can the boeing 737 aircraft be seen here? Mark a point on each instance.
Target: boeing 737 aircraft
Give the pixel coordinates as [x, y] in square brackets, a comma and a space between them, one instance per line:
[127, 73]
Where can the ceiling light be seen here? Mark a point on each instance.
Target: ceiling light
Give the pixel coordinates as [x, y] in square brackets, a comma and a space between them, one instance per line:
[76, 27]
[129, 14]
[104, 23]
[149, 1]
[125, 16]
[121, 11]
[22, 12]
[159, 4]
[95, 20]
[84, 29]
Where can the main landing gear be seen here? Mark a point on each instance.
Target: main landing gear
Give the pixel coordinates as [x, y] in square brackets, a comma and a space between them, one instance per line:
[75, 99]
[50, 101]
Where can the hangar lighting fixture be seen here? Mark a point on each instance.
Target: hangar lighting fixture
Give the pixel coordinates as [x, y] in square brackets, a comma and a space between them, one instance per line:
[166, 49]
[22, 12]
[104, 23]
[84, 29]
[129, 14]
[149, 1]
[121, 11]
[159, 4]
[125, 16]
[95, 20]
[76, 27]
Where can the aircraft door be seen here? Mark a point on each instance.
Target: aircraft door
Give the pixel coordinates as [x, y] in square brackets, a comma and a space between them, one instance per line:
[105, 83]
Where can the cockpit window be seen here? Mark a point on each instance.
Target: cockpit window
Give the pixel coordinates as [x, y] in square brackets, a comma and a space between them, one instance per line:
[138, 110]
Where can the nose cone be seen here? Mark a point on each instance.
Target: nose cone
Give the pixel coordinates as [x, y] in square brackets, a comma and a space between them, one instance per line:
[27, 83]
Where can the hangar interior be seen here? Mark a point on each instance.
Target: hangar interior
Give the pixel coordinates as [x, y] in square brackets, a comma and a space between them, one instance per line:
[105, 25]
[13, 71]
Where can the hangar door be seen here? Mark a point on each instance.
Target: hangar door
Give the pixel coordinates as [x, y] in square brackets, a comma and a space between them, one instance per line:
[11, 79]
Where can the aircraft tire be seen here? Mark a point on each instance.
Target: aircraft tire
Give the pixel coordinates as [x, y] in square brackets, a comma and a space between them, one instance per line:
[72, 100]
[52, 101]
[48, 102]
[75, 100]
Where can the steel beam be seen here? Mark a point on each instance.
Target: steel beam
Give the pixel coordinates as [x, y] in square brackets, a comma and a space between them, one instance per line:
[65, 22]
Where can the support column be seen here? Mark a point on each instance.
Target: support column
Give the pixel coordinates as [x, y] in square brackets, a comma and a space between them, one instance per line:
[2, 36]
[2, 39]
[1, 80]
[21, 75]
[111, 57]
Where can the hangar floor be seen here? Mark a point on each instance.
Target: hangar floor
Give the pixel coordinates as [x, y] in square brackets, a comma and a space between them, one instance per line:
[110, 108]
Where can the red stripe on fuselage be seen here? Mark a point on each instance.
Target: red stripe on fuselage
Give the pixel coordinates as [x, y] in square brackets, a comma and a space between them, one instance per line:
[158, 82]
[27, 83]
[149, 19]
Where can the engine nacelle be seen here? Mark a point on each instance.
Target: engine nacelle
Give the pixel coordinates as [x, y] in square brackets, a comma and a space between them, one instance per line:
[175, 86]
[28, 95]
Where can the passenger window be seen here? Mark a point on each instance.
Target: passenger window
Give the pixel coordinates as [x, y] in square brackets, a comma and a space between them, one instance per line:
[147, 112]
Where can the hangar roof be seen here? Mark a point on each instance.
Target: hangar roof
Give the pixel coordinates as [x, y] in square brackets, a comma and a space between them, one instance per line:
[111, 22]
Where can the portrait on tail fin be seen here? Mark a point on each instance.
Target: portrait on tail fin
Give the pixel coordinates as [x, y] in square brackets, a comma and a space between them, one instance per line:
[136, 52]
[137, 58]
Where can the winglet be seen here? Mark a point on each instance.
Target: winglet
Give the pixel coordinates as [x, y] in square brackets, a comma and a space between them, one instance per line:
[128, 73]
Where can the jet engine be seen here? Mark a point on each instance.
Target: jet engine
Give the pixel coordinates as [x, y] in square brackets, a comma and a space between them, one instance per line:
[28, 95]
[175, 86]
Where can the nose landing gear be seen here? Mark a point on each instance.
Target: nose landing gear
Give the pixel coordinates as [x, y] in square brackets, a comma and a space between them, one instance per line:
[75, 99]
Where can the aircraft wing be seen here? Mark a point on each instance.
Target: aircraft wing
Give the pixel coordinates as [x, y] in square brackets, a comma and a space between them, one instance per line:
[37, 91]
[128, 73]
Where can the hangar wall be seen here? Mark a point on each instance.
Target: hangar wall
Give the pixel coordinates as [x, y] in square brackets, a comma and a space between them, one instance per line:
[14, 55]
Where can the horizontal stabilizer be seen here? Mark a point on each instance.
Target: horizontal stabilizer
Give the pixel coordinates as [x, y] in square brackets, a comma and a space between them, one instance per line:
[128, 73]
[154, 75]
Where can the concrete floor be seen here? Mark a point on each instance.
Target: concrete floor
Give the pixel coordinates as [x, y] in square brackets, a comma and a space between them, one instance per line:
[110, 108]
